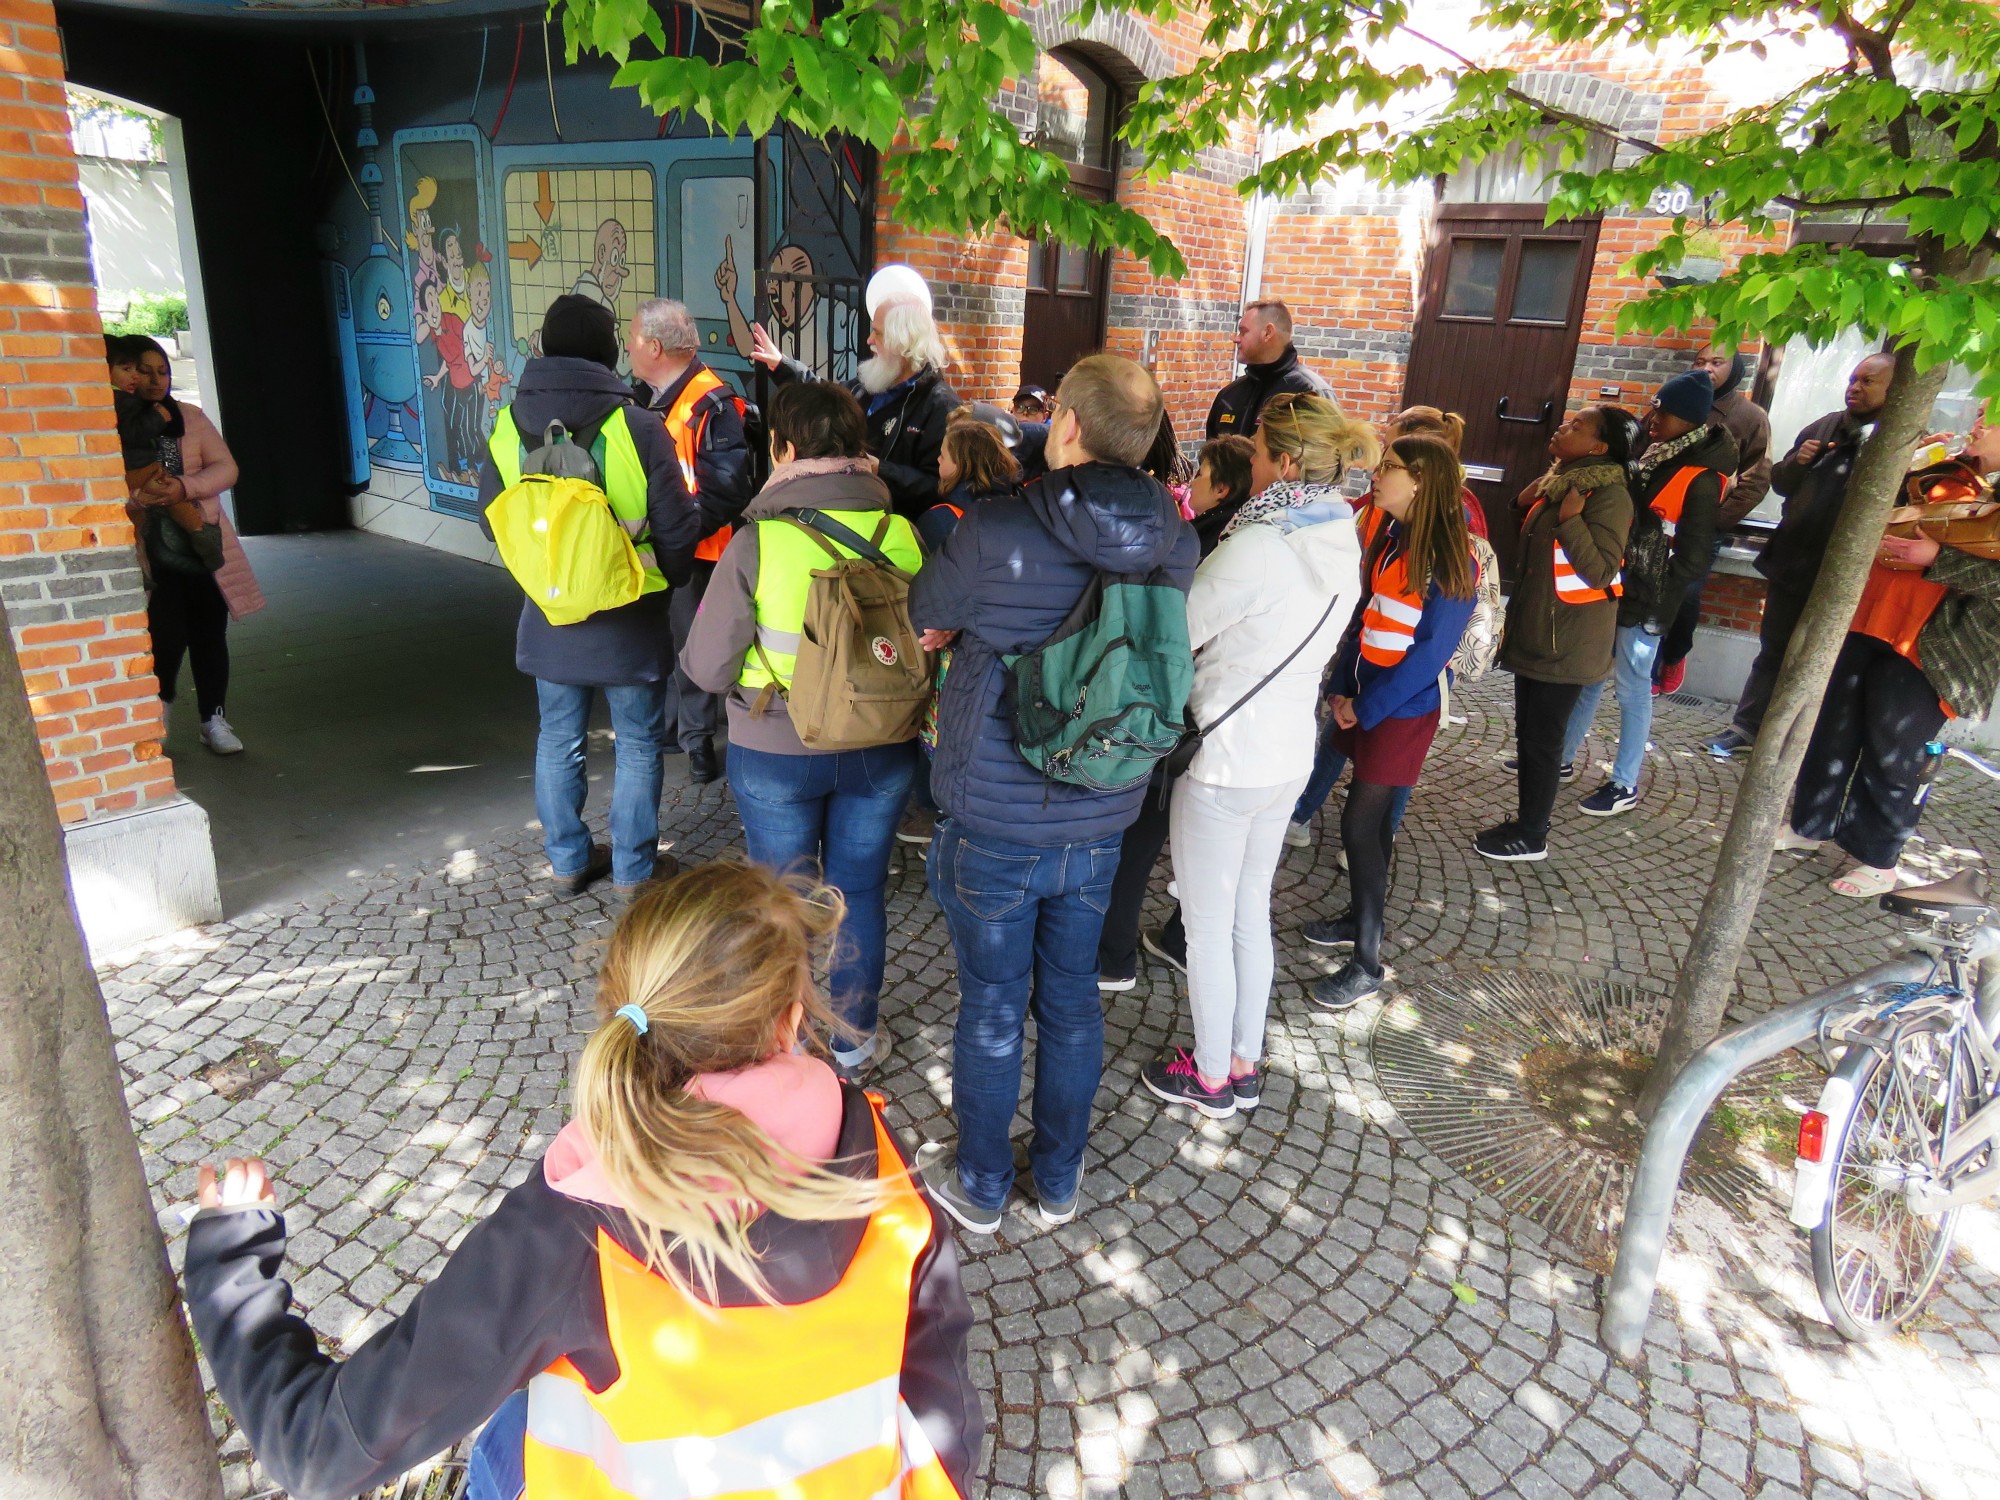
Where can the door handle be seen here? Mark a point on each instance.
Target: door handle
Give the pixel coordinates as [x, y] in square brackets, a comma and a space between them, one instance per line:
[1548, 410]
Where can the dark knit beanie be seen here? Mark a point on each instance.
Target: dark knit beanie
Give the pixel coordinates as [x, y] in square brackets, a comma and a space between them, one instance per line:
[577, 328]
[1689, 396]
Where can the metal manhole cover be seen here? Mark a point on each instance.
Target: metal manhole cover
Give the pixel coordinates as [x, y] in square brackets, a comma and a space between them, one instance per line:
[1455, 1059]
[244, 1071]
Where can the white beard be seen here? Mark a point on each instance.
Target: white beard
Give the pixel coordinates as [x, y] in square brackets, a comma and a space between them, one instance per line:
[878, 374]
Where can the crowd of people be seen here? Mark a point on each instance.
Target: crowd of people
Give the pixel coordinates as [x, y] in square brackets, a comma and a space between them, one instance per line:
[719, 1172]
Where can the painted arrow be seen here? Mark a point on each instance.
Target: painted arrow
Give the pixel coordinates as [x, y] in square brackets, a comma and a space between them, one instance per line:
[528, 250]
[545, 203]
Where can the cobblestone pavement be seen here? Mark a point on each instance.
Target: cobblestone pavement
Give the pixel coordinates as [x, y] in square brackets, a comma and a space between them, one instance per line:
[1301, 1301]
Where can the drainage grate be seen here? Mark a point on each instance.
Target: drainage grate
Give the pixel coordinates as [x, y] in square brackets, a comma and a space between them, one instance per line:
[1458, 1057]
[244, 1071]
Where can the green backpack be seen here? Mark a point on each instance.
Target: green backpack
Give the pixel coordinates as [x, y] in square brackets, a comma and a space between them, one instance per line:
[1103, 699]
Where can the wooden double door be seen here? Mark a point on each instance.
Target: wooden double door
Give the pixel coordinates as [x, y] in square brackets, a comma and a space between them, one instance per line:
[1495, 341]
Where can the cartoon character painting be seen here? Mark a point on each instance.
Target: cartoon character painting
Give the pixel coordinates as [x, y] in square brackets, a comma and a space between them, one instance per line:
[608, 266]
[798, 323]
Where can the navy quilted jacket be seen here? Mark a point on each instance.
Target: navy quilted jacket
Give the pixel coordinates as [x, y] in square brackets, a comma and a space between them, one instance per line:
[1006, 577]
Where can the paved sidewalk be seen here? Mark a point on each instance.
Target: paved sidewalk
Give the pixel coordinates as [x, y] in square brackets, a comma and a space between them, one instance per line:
[1263, 1306]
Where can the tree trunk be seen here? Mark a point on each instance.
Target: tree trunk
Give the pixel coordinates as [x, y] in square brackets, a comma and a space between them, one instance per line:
[99, 1397]
[1708, 975]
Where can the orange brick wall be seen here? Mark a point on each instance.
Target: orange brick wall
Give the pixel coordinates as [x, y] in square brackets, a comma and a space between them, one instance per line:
[68, 575]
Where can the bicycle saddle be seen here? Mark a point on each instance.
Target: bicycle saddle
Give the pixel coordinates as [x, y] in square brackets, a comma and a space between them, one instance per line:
[1961, 899]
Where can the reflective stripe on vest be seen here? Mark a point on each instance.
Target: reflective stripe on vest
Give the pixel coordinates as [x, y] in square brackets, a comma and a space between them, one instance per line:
[799, 1401]
[1389, 623]
[617, 460]
[1570, 585]
[786, 559]
[686, 433]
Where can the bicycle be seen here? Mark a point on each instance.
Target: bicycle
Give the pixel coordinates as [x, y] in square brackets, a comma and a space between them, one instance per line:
[1906, 1132]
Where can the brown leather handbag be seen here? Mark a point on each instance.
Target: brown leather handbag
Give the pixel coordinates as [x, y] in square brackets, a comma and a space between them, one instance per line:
[1953, 505]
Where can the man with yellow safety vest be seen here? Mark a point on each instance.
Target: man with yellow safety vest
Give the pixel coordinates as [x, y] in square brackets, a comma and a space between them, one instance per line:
[622, 653]
[1680, 476]
[704, 419]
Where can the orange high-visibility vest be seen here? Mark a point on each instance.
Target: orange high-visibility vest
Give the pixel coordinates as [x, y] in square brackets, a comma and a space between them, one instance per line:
[1389, 621]
[1895, 607]
[1571, 587]
[686, 433]
[1672, 499]
[799, 1402]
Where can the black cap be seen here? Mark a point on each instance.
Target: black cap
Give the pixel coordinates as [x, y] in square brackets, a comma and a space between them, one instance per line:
[577, 328]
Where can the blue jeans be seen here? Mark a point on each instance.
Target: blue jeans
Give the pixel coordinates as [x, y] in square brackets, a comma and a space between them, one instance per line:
[1632, 680]
[497, 1469]
[834, 816]
[1328, 763]
[1024, 923]
[560, 787]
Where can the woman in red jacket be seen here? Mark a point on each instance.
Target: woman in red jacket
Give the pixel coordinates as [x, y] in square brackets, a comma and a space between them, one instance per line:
[722, 1268]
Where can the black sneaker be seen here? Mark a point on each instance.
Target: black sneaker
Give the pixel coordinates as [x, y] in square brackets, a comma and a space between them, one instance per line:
[1609, 800]
[704, 765]
[1249, 1089]
[1567, 770]
[1174, 1079]
[1348, 988]
[1337, 933]
[1159, 942]
[938, 1170]
[1512, 844]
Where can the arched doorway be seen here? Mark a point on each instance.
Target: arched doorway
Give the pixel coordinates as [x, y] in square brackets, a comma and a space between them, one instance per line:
[1078, 112]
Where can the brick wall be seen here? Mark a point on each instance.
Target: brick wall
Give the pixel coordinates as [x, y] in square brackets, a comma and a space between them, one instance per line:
[68, 576]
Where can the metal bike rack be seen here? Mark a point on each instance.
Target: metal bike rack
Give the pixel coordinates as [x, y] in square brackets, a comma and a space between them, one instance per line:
[1628, 1296]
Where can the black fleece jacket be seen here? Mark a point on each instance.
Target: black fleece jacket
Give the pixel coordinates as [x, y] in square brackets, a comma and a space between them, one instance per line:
[1238, 404]
[904, 434]
[522, 1291]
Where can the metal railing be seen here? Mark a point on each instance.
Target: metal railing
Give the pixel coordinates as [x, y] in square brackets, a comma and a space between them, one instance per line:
[1628, 1296]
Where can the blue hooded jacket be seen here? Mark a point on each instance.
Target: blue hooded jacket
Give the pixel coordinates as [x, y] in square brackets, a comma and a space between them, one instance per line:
[1006, 577]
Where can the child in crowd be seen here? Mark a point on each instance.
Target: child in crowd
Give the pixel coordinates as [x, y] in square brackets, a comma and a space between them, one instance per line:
[141, 423]
[974, 463]
[1420, 577]
[722, 1251]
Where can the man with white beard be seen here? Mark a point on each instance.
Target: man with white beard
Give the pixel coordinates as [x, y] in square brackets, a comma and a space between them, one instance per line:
[901, 386]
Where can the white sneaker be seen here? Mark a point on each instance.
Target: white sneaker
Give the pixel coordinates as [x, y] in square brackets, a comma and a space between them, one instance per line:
[219, 737]
[1299, 835]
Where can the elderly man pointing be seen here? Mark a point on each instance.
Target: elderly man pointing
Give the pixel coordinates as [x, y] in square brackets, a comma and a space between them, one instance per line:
[901, 386]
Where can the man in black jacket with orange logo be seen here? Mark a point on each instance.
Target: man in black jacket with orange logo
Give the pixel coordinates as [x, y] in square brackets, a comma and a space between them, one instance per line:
[1271, 365]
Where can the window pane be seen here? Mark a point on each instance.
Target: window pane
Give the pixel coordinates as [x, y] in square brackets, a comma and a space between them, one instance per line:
[1038, 263]
[1072, 113]
[1548, 275]
[1073, 268]
[1472, 284]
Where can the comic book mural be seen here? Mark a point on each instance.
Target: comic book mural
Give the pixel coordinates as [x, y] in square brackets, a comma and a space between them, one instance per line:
[478, 217]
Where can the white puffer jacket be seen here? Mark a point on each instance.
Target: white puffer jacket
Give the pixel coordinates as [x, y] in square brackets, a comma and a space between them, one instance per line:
[1254, 598]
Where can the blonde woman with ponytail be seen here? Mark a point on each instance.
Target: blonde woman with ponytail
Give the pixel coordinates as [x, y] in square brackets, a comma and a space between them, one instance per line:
[721, 1270]
[1266, 611]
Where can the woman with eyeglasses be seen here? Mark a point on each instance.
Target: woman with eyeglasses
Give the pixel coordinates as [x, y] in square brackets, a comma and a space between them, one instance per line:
[1419, 581]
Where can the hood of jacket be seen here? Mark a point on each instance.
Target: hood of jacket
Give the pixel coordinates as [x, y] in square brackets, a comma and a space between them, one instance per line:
[854, 489]
[1107, 515]
[574, 392]
[1329, 552]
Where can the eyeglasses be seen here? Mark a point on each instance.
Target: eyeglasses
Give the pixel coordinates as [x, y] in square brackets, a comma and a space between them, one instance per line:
[1389, 464]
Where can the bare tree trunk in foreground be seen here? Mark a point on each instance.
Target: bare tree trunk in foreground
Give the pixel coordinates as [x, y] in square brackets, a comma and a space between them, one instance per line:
[1708, 975]
[99, 1397]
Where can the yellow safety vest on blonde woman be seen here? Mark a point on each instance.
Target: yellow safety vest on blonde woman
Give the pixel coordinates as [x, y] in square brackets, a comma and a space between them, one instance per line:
[790, 1402]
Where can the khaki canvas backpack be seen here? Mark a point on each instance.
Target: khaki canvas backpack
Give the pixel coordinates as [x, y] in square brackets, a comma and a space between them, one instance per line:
[860, 678]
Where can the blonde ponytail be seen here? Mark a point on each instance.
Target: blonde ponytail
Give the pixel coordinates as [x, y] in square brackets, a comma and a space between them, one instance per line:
[1317, 435]
[716, 959]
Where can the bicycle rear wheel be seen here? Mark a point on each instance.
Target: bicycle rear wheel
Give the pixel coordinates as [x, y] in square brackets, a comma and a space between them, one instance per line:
[1874, 1260]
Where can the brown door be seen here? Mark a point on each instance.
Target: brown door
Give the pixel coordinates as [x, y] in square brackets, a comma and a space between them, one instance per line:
[1495, 341]
[1064, 320]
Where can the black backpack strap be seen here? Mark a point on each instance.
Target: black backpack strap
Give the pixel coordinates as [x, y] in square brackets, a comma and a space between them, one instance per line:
[847, 536]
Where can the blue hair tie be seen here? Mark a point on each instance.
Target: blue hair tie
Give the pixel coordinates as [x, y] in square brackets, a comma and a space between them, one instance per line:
[636, 1014]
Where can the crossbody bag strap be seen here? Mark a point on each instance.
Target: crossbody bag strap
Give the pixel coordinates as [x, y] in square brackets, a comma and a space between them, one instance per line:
[1272, 675]
[822, 526]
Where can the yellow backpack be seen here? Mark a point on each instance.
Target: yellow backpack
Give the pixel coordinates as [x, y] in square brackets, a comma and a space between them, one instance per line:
[554, 523]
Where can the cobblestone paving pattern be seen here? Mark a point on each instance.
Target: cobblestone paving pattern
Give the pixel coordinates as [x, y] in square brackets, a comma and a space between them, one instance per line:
[1262, 1306]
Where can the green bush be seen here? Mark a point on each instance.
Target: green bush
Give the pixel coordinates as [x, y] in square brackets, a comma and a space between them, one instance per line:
[155, 314]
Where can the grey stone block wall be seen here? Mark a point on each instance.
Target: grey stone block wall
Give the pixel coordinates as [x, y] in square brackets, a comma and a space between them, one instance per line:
[55, 588]
[1629, 364]
[1364, 345]
[44, 244]
[972, 302]
[1170, 314]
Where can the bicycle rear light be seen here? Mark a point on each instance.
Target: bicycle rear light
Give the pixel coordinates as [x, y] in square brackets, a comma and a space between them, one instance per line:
[1812, 1136]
